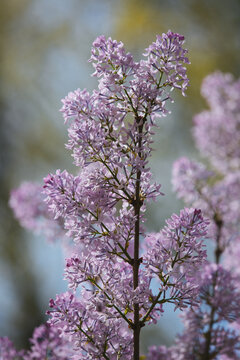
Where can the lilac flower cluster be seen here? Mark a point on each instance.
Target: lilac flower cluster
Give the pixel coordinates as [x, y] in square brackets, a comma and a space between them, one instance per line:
[175, 254]
[46, 343]
[116, 290]
[206, 335]
[212, 329]
[29, 208]
[102, 209]
[7, 350]
[93, 330]
[216, 194]
[216, 131]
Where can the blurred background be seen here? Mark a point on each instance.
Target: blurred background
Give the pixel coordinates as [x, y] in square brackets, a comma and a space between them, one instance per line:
[45, 45]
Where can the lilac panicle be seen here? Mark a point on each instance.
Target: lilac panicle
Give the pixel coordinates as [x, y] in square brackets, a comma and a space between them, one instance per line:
[206, 334]
[115, 282]
[212, 330]
[112, 63]
[216, 131]
[76, 103]
[159, 353]
[8, 351]
[221, 91]
[219, 290]
[27, 203]
[86, 203]
[90, 330]
[111, 154]
[175, 254]
[102, 207]
[46, 343]
[189, 179]
[98, 119]
[168, 56]
[217, 196]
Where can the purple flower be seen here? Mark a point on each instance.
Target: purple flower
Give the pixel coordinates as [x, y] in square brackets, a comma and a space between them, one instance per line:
[102, 209]
[167, 56]
[89, 329]
[174, 256]
[159, 353]
[27, 203]
[216, 196]
[207, 332]
[47, 343]
[216, 131]
[8, 351]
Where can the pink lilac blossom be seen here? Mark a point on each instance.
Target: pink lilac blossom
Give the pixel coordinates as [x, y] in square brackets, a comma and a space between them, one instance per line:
[105, 203]
[112, 64]
[206, 335]
[217, 196]
[159, 353]
[141, 85]
[174, 255]
[87, 207]
[94, 332]
[98, 131]
[115, 284]
[8, 351]
[86, 203]
[102, 209]
[170, 256]
[27, 203]
[222, 91]
[46, 343]
[212, 330]
[216, 131]
[166, 56]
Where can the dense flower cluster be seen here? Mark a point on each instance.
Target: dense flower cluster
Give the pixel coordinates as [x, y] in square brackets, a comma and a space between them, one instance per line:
[217, 131]
[31, 211]
[113, 279]
[212, 330]
[102, 208]
[206, 335]
[159, 353]
[174, 255]
[93, 329]
[46, 343]
[111, 294]
[8, 351]
[215, 194]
